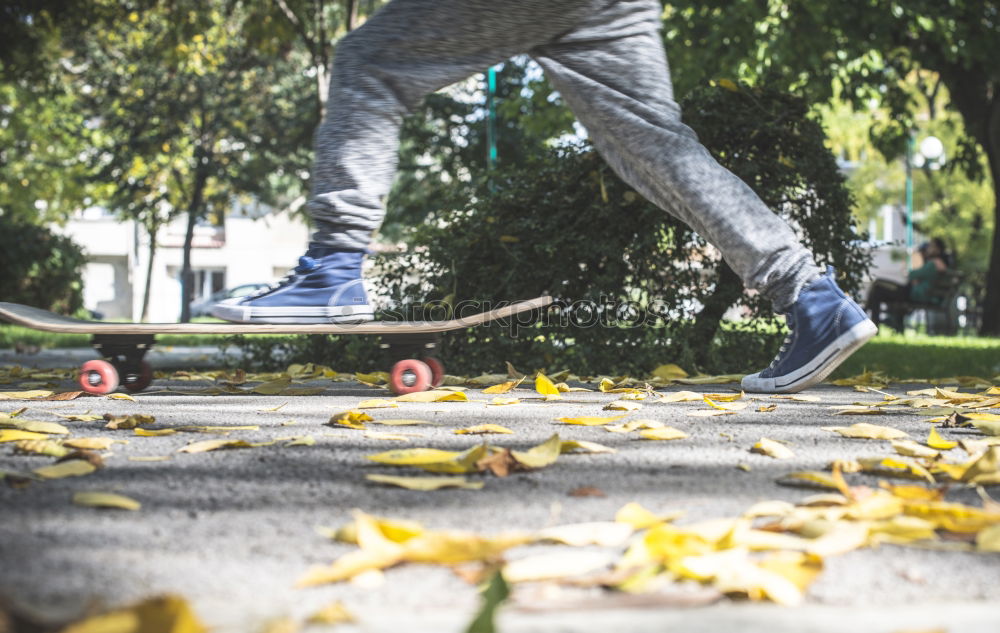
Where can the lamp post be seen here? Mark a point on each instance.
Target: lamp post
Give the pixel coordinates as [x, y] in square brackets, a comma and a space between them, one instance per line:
[930, 154]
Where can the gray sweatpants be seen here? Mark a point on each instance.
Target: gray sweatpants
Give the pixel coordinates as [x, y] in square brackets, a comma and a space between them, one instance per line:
[606, 59]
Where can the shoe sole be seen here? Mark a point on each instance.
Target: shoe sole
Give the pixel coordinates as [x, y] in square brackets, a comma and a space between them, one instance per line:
[826, 361]
[294, 315]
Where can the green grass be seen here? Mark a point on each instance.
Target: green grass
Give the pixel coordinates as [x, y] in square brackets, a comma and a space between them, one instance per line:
[11, 335]
[922, 356]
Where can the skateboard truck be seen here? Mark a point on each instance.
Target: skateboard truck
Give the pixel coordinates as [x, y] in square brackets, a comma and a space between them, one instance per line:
[123, 363]
[414, 368]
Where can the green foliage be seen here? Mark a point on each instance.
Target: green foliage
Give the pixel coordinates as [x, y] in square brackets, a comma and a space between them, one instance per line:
[40, 268]
[636, 287]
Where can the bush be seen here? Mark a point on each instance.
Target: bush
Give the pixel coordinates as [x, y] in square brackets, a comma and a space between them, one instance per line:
[40, 268]
[636, 287]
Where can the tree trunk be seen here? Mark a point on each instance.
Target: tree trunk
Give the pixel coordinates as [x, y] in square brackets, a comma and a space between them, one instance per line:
[194, 212]
[147, 291]
[990, 325]
[706, 324]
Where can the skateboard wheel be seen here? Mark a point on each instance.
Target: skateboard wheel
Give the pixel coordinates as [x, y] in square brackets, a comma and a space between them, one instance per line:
[98, 377]
[138, 381]
[410, 375]
[437, 370]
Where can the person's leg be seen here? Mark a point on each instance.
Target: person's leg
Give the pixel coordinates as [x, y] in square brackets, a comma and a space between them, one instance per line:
[613, 73]
[881, 292]
[381, 71]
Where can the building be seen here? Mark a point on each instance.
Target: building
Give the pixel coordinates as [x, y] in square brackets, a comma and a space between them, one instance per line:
[255, 245]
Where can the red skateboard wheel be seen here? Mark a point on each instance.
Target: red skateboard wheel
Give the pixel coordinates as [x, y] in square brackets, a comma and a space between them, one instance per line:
[98, 377]
[437, 370]
[141, 380]
[410, 375]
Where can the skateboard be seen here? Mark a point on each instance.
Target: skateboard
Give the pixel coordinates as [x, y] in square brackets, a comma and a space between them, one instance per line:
[123, 346]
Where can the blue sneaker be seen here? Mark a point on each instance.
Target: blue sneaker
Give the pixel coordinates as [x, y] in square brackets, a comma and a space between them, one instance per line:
[326, 287]
[826, 327]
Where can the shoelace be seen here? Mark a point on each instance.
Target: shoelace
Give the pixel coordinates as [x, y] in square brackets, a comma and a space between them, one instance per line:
[306, 265]
[784, 344]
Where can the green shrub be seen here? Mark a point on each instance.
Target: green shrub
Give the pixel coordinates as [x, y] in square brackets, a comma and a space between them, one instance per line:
[39, 268]
[562, 223]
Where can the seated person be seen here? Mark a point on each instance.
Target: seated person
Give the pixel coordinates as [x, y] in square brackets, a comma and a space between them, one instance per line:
[918, 289]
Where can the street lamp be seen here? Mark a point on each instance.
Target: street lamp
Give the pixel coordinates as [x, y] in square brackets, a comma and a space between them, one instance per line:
[931, 155]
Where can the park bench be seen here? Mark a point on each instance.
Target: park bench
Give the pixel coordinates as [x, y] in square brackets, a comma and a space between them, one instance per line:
[941, 312]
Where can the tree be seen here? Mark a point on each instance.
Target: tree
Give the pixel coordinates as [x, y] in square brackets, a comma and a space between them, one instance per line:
[187, 115]
[870, 47]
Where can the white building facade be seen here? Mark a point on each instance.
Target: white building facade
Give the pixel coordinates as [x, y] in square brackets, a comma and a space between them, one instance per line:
[256, 245]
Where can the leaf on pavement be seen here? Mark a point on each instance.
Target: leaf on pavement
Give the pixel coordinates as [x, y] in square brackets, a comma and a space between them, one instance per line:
[120, 396]
[332, 614]
[33, 394]
[14, 435]
[555, 566]
[987, 426]
[434, 460]
[795, 397]
[766, 408]
[105, 500]
[640, 518]
[377, 403]
[669, 372]
[304, 440]
[545, 387]
[92, 443]
[591, 420]
[662, 433]
[634, 425]
[169, 614]
[583, 446]
[600, 533]
[985, 470]
[71, 468]
[153, 432]
[52, 428]
[709, 413]
[681, 396]
[934, 440]
[273, 387]
[402, 422]
[622, 405]
[988, 540]
[499, 402]
[909, 448]
[895, 466]
[771, 448]
[379, 435]
[438, 395]
[425, 483]
[504, 387]
[587, 491]
[483, 429]
[49, 448]
[352, 419]
[865, 431]
[540, 456]
[809, 479]
[79, 417]
[213, 445]
[124, 422]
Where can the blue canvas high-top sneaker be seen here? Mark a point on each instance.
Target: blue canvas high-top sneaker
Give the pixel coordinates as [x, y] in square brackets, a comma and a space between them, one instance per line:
[326, 287]
[826, 327]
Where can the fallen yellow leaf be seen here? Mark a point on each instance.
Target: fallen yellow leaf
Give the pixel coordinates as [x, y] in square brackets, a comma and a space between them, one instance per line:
[483, 429]
[664, 433]
[34, 394]
[591, 420]
[71, 468]
[540, 456]
[499, 402]
[425, 483]
[14, 435]
[433, 460]
[52, 428]
[583, 446]
[934, 440]
[669, 372]
[105, 500]
[433, 396]
[335, 613]
[681, 396]
[213, 445]
[622, 405]
[377, 403]
[92, 443]
[166, 614]
[545, 387]
[153, 432]
[396, 437]
[865, 431]
[771, 448]
[709, 413]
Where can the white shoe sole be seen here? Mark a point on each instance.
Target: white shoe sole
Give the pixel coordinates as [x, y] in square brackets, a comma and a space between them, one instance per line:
[818, 368]
[293, 315]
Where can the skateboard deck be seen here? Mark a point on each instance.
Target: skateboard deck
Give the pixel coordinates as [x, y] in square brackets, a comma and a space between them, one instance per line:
[123, 345]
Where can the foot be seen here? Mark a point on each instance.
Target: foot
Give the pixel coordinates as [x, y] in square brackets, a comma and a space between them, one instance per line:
[826, 327]
[326, 287]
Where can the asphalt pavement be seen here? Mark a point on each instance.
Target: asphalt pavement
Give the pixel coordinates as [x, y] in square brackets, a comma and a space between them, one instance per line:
[233, 530]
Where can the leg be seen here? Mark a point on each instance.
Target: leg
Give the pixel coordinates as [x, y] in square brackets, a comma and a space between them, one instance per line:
[620, 90]
[383, 70]
[618, 84]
